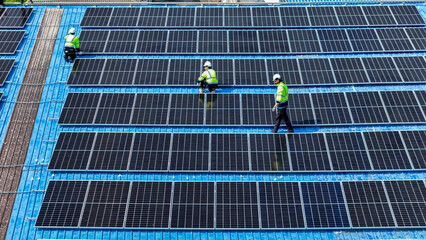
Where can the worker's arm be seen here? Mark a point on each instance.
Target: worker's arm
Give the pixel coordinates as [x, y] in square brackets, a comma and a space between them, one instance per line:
[202, 77]
[76, 42]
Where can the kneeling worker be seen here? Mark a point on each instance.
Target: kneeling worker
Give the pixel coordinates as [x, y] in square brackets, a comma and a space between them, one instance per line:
[208, 78]
[72, 44]
[281, 104]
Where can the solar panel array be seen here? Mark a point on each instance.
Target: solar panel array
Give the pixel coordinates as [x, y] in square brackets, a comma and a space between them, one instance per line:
[238, 17]
[234, 205]
[313, 152]
[5, 68]
[242, 109]
[10, 40]
[255, 42]
[14, 17]
[250, 72]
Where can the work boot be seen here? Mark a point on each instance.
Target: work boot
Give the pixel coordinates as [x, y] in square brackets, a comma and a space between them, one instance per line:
[274, 130]
[200, 90]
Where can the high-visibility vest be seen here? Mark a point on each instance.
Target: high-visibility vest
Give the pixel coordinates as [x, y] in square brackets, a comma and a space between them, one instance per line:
[282, 93]
[72, 41]
[209, 76]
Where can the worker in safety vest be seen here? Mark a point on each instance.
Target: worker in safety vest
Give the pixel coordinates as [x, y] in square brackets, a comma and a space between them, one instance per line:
[281, 103]
[208, 78]
[72, 44]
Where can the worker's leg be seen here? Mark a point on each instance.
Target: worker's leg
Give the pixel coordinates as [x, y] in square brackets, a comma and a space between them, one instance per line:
[278, 120]
[212, 88]
[287, 120]
[202, 86]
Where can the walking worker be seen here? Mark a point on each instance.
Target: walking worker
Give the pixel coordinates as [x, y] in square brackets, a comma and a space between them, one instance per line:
[281, 103]
[208, 78]
[72, 44]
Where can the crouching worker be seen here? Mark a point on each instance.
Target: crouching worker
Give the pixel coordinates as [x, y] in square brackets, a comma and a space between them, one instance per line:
[208, 78]
[72, 45]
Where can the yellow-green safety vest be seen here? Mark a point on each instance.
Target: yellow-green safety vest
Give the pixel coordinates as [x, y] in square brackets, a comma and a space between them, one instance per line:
[209, 76]
[72, 41]
[282, 93]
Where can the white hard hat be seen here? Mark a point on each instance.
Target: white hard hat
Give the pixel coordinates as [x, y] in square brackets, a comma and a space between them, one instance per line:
[277, 76]
[207, 64]
[71, 31]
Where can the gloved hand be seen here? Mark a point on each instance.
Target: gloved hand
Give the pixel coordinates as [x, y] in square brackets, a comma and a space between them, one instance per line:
[274, 109]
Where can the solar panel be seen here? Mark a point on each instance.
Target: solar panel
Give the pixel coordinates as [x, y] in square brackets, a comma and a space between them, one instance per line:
[308, 152]
[331, 108]
[96, 17]
[6, 66]
[115, 108]
[288, 69]
[350, 16]
[304, 41]
[152, 42]
[408, 200]
[188, 109]
[394, 39]
[300, 110]
[294, 16]
[402, 106]
[348, 70]
[324, 205]
[256, 109]
[190, 152]
[334, 40]
[223, 109]
[421, 96]
[250, 72]
[152, 72]
[72, 151]
[151, 109]
[386, 151]
[273, 41]
[229, 152]
[415, 142]
[364, 40]
[86, 72]
[238, 17]
[417, 37]
[407, 15]
[10, 40]
[248, 45]
[79, 108]
[213, 42]
[381, 70]
[280, 205]
[150, 152]
[366, 107]
[121, 42]
[209, 17]
[183, 71]
[316, 71]
[367, 204]
[118, 72]
[348, 152]
[111, 151]
[265, 17]
[180, 17]
[124, 17]
[149, 205]
[237, 205]
[378, 15]
[93, 41]
[15, 17]
[62, 204]
[322, 16]
[269, 152]
[152, 17]
[224, 70]
[182, 42]
[412, 69]
[193, 205]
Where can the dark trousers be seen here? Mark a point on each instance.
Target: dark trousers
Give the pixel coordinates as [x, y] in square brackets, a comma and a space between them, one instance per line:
[71, 52]
[282, 115]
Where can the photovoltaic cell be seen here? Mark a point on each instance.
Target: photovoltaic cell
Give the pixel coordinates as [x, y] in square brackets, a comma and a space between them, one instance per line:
[124, 17]
[150, 109]
[412, 69]
[386, 151]
[256, 109]
[294, 16]
[115, 108]
[407, 15]
[238, 17]
[152, 42]
[121, 42]
[367, 204]
[378, 15]
[149, 205]
[366, 107]
[14, 17]
[273, 42]
[213, 42]
[408, 200]
[402, 106]
[331, 108]
[250, 72]
[304, 41]
[269, 152]
[288, 69]
[209, 17]
[224, 70]
[190, 152]
[229, 152]
[348, 70]
[118, 72]
[6, 66]
[223, 109]
[280, 205]
[417, 37]
[237, 205]
[86, 72]
[415, 142]
[184, 71]
[243, 42]
[421, 96]
[10, 40]
[322, 16]
[182, 42]
[347, 152]
[96, 17]
[187, 109]
[350, 16]
[93, 41]
[300, 109]
[152, 17]
[79, 108]
[364, 40]
[111, 151]
[334, 40]
[308, 152]
[381, 70]
[180, 17]
[324, 205]
[265, 17]
[394, 39]
[152, 72]
[150, 152]
[316, 71]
